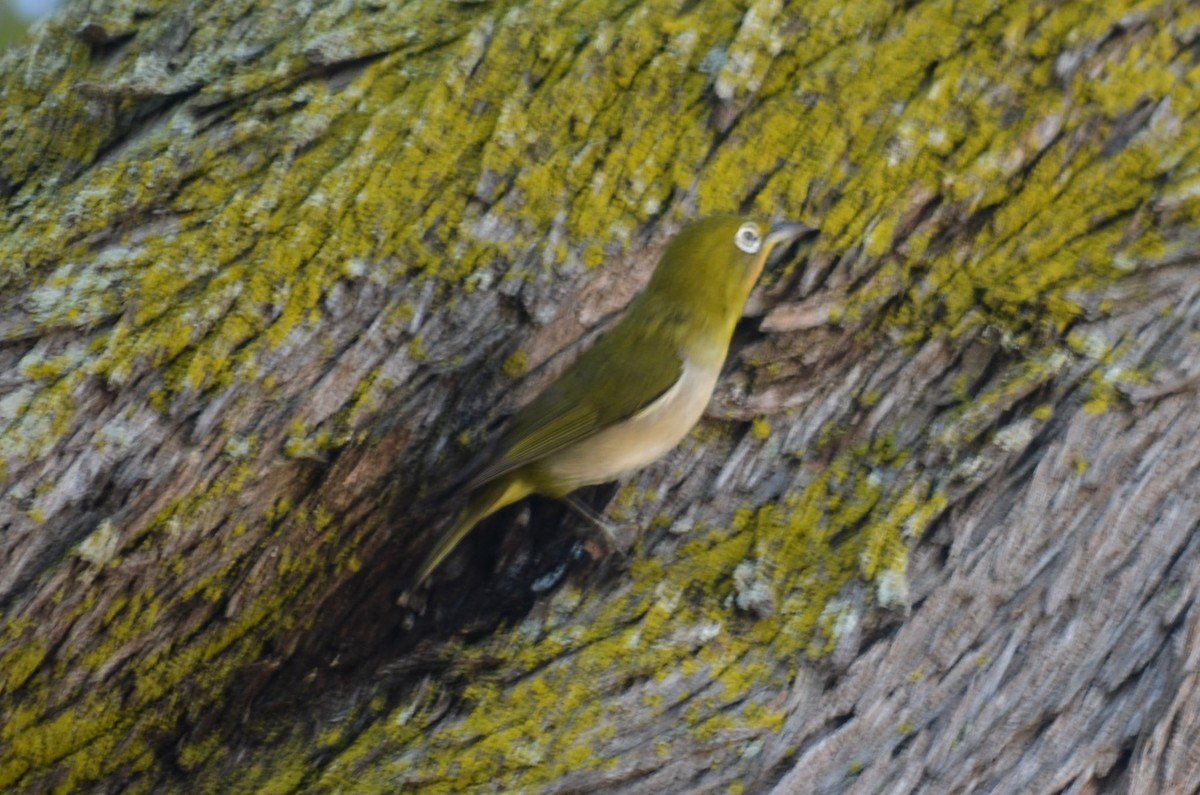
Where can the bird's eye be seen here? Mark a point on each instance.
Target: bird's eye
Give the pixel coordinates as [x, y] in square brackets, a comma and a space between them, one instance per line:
[748, 238]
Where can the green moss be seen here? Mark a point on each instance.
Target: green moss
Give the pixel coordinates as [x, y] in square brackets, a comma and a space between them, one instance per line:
[20, 663]
[85, 740]
[192, 755]
[301, 444]
[416, 348]
[879, 241]
[799, 542]
[516, 365]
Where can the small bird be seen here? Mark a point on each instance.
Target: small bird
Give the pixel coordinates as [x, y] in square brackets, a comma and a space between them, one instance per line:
[640, 388]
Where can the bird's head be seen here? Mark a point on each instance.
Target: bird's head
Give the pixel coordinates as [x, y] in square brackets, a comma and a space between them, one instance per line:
[713, 263]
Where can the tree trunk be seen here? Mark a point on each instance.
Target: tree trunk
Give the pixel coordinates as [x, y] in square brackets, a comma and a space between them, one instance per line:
[274, 273]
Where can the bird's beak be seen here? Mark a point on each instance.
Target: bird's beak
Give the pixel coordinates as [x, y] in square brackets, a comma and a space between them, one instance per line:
[784, 233]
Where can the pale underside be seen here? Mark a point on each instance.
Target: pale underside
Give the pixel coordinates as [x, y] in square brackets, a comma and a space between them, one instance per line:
[628, 446]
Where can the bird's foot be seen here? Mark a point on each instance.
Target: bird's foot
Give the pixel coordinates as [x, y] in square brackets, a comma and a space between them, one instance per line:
[617, 538]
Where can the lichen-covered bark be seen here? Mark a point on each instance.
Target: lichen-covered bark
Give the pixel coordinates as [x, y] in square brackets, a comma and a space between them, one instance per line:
[271, 273]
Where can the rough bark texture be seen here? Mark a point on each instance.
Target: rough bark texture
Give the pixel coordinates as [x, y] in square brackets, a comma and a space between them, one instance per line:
[273, 273]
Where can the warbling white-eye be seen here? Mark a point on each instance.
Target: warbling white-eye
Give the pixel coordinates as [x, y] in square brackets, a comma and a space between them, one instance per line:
[640, 388]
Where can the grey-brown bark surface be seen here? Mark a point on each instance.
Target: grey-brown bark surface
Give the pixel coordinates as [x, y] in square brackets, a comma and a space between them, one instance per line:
[270, 276]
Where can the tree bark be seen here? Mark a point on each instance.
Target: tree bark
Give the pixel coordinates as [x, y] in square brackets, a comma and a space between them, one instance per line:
[274, 273]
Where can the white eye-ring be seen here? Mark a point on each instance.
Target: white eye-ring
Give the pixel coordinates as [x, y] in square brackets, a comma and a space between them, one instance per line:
[748, 238]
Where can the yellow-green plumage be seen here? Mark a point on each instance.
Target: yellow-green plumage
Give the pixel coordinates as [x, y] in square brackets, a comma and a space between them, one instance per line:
[637, 392]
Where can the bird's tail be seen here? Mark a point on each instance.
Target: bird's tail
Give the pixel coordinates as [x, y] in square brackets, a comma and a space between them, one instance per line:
[483, 501]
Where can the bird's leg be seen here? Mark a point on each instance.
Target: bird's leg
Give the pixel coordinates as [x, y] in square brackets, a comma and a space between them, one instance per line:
[603, 525]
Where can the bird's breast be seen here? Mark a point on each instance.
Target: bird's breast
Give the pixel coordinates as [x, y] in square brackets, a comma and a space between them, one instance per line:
[642, 439]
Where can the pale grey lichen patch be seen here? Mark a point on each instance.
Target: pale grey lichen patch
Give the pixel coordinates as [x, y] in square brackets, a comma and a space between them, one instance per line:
[238, 447]
[752, 590]
[1092, 344]
[549, 579]
[1015, 436]
[13, 404]
[752, 51]
[683, 43]
[115, 436]
[891, 588]
[714, 60]
[101, 545]
[842, 618]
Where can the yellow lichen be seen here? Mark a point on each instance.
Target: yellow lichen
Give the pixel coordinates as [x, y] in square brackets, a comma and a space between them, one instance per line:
[505, 117]
[515, 365]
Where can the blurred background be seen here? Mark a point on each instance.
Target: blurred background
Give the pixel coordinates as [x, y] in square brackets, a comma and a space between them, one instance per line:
[16, 16]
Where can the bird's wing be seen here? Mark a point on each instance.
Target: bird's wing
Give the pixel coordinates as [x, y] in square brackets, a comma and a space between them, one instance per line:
[623, 373]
